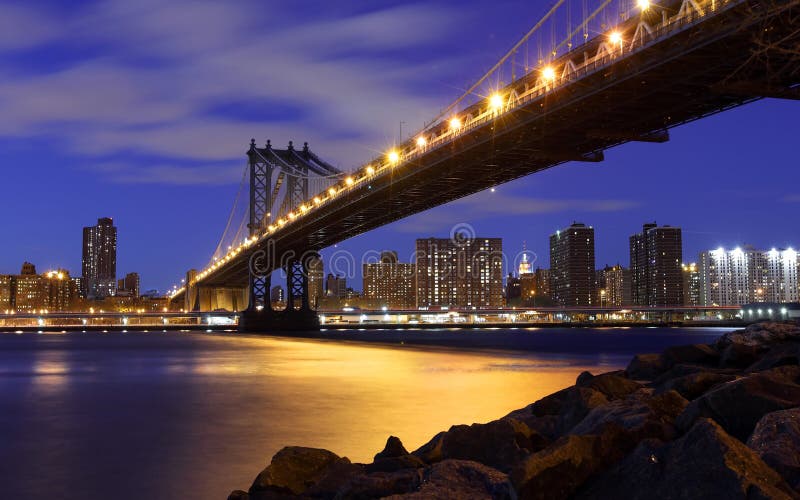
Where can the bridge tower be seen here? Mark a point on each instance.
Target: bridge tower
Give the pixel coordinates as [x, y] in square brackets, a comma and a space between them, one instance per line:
[279, 185]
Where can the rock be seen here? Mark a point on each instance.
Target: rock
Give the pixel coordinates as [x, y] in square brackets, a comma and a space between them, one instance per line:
[570, 406]
[394, 448]
[294, 469]
[776, 439]
[704, 463]
[238, 495]
[392, 464]
[738, 405]
[761, 335]
[784, 354]
[645, 367]
[560, 469]
[739, 355]
[381, 484]
[641, 416]
[698, 354]
[454, 479]
[500, 444]
[335, 478]
[613, 385]
[696, 384]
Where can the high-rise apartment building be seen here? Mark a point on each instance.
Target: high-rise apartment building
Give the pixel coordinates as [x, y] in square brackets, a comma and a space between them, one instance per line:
[742, 276]
[656, 273]
[535, 287]
[6, 293]
[390, 283]
[572, 273]
[129, 286]
[316, 275]
[336, 286]
[58, 290]
[692, 284]
[28, 291]
[100, 259]
[616, 290]
[459, 273]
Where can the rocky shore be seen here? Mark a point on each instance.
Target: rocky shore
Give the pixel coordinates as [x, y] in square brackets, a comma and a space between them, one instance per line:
[696, 421]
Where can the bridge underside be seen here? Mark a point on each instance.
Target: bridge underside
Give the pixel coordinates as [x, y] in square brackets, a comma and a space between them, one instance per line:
[723, 62]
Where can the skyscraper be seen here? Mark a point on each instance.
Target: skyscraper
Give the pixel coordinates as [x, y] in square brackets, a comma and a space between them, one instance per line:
[100, 259]
[692, 285]
[617, 286]
[572, 272]
[460, 273]
[316, 274]
[741, 276]
[656, 273]
[390, 283]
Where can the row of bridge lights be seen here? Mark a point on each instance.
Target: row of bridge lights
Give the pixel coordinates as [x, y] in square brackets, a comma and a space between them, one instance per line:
[496, 103]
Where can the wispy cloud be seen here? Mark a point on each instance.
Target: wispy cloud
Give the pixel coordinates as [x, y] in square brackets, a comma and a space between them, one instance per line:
[141, 76]
[792, 198]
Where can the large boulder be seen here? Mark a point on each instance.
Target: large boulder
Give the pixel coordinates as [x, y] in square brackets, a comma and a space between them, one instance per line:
[500, 444]
[613, 385]
[645, 367]
[761, 335]
[783, 354]
[695, 384]
[568, 407]
[705, 463]
[738, 405]
[394, 457]
[697, 354]
[453, 479]
[295, 469]
[776, 439]
[641, 415]
[559, 470]
[381, 484]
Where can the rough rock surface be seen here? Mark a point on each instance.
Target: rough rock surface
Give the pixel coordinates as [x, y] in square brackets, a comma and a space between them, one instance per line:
[704, 463]
[671, 425]
[776, 439]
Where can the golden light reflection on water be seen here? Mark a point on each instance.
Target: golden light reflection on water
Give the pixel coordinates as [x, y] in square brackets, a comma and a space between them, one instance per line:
[349, 397]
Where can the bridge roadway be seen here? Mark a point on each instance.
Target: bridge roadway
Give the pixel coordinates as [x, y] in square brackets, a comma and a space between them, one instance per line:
[680, 73]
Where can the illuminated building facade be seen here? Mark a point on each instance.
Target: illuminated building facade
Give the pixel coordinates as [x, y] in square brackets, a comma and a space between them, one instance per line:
[130, 285]
[692, 285]
[390, 283]
[572, 272]
[316, 275]
[616, 289]
[656, 255]
[6, 293]
[58, 291]
[99, 263]
[742, 276]
[459, 273]
[336, 286]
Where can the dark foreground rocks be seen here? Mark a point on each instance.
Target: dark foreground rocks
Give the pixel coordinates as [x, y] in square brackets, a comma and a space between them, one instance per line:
[697, 421]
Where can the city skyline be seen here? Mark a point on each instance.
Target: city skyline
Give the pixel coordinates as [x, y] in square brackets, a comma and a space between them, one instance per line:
[740, 160]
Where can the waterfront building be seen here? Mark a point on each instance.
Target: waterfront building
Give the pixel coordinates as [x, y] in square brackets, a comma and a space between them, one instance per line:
[129, 285]
[572, 272]
[58, 291]
[514, 289]
[335, 286]
[692, 284]
[316, 275]
[656, 255]
[389, 283]
[6, 293]
[28, 292]
[459, 272]
[277, 295]
[77, 285]
[99, 264]
[616, 289]
[743, 276]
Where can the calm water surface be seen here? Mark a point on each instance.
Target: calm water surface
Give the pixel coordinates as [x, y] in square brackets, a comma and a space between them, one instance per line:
[190, 415]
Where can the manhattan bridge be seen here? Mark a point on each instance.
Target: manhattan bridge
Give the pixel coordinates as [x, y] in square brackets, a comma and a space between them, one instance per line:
[594, 75]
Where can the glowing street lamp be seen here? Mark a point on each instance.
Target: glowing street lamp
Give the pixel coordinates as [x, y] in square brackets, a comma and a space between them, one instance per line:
[643, 4]
[332, 191]
[393, 157]
[370, 170]
[549, 73]
[615, 37]
[349, 181]
[455, 124]
[421, 142]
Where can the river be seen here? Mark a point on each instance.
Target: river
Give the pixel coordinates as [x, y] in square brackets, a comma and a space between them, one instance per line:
[195, 415]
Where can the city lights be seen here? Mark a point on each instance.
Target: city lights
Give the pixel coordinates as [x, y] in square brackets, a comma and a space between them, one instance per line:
[496, 101]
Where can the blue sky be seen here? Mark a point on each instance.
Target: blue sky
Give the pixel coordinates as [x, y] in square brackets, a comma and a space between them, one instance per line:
[143, 110]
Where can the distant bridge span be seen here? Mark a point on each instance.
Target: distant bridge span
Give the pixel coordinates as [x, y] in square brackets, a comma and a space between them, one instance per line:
[676, 62]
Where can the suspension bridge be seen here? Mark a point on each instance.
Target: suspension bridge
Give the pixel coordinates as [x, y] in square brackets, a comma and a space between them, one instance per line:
[619, 72]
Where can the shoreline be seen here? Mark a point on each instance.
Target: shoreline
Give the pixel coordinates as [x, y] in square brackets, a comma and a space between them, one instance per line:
[707, 420]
